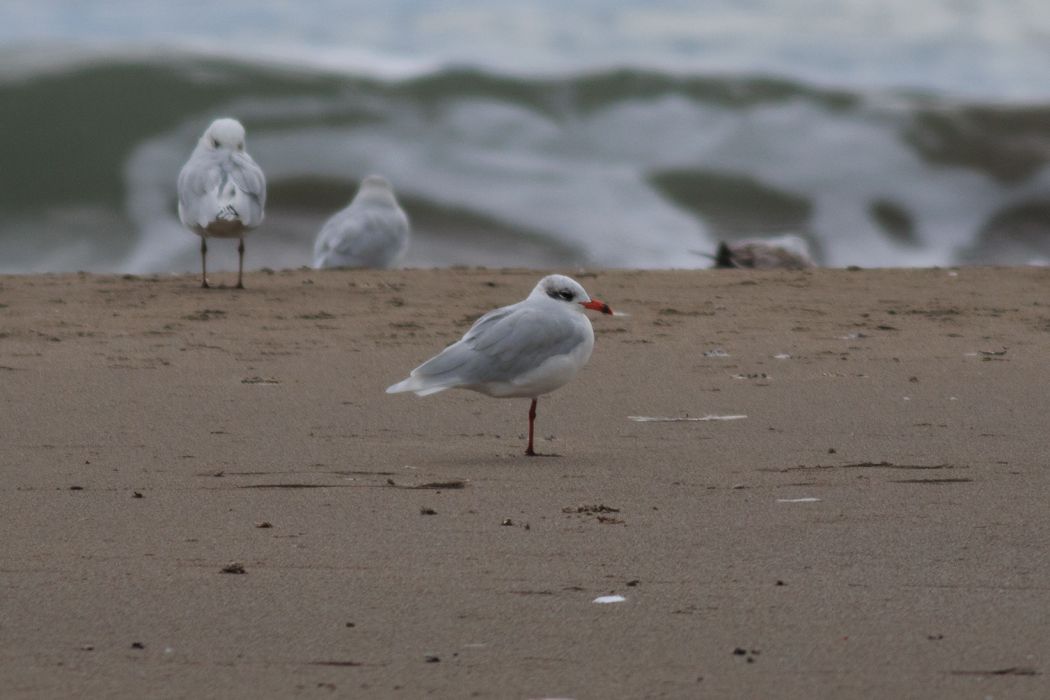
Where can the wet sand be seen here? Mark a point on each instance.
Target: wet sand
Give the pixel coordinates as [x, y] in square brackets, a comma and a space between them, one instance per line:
[875, 527]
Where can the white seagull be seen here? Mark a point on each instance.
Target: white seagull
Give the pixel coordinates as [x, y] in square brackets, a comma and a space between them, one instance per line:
[524, 350]
[372, 231]
[222, 191]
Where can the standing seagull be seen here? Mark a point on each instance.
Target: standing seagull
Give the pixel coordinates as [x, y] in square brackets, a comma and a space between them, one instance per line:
[372, 231]
[525, 350]
[222, 191]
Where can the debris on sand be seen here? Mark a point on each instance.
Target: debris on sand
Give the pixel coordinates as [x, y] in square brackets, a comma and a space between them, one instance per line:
[785, 252]
[1009, 671]
[590, 510]
[681, 419]
[260, 380]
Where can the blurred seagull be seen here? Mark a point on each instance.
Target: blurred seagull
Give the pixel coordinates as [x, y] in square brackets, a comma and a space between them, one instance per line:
[524, 350]
[373, 231]
[222, 191]
[788, 252]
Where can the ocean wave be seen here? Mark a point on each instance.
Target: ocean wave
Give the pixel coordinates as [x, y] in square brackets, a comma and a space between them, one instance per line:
[985, 51]
[623, 168]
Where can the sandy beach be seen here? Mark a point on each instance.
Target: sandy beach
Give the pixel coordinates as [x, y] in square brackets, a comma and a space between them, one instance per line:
[875, 526]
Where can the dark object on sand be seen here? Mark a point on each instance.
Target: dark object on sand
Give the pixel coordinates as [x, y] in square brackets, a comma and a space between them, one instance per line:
[782, 253]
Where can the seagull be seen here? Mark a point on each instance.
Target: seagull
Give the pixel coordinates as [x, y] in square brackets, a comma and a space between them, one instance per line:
[524, 350]
[787, 252]
[222, 191]
[372, 231]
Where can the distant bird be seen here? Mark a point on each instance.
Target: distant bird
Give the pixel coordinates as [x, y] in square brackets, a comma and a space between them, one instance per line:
[372, 231]
[787, 252]
[524, 350]
[222, 191]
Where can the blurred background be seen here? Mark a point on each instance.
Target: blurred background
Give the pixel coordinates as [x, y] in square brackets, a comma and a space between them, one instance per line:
[629, 133]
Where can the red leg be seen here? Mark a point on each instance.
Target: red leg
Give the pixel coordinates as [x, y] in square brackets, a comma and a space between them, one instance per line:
[532, 424]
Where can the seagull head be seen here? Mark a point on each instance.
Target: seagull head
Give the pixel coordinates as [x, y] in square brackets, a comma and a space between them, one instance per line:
[224, 134]
[376, 182]
[566, 290]
[376, 189]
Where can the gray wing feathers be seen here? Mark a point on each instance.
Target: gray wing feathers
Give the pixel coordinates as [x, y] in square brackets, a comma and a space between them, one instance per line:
[196, 180]
[249, 179]
[362, 237]
[501, 346]
[218, 186]
[463, 351]
[534, 337]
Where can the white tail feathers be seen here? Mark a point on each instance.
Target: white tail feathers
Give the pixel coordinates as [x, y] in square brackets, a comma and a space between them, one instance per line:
[414, 384]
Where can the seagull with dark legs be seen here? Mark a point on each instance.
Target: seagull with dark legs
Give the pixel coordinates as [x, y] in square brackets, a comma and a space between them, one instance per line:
[525, 350]
[222, 191]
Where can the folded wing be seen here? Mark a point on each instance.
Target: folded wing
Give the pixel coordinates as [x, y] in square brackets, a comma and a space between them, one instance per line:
[502, 346]
[362, 237]
[224, 190]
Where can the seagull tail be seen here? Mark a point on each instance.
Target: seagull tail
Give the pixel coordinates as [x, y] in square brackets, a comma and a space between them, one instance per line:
[415, 384]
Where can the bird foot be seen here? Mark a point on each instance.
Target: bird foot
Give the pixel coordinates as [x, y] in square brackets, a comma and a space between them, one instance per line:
[533, 453]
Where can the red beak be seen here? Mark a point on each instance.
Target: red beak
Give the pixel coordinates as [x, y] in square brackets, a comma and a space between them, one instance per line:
[596, 305]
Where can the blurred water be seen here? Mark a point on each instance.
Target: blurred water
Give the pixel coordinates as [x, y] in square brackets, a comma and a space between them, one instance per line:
[987, 50]
[613, 132]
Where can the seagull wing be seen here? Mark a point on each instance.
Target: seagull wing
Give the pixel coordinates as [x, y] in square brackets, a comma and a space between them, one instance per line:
[362, 236]
[501, 346]
[198, 182]
[221, 187]
[250, 183]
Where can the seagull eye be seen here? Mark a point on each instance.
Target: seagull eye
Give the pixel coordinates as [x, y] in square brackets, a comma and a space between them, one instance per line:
[215, 143]
[240, 147]
[561, 294]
